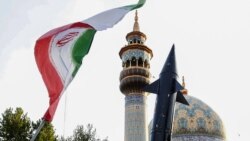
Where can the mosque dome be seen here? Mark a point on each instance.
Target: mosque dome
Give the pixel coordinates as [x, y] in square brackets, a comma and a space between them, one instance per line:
[196, 122]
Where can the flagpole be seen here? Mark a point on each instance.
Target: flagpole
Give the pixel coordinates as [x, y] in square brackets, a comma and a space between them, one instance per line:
[38, 130]
[65, 113]
[43, 121]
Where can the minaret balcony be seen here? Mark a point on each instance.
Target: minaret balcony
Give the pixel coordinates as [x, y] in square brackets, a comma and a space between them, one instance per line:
[133, 79]
[131, 71]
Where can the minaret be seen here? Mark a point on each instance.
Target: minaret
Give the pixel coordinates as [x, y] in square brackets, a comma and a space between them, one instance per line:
[134, 76]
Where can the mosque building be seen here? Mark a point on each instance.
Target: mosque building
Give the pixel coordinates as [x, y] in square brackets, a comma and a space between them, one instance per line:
[196, 122]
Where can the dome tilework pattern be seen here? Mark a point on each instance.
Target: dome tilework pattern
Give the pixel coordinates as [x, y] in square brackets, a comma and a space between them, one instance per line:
[197, 122]
[195, 138]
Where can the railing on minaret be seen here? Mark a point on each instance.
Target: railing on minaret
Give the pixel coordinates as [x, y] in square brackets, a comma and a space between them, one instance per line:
[135, 75]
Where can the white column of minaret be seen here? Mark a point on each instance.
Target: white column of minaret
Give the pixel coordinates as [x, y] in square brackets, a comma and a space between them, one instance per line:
[135, 117]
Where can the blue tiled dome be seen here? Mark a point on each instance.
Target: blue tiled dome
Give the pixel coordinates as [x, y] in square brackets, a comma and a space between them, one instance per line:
[196, 122]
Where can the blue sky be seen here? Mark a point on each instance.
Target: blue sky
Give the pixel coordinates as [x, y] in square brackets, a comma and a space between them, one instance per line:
[212, 49]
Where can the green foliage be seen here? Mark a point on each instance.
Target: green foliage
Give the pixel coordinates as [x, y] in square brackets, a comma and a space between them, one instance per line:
[82, 134]
[15, 126]
[47, 133]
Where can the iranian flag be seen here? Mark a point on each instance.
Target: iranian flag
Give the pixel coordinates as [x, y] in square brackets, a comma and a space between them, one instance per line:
[59, 52]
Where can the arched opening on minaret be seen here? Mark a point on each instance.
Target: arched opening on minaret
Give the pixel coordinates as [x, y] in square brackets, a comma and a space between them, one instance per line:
[140, 62]
[133, 62]
[139, 41]
[146, 64]
[127, 63]
[134, 40]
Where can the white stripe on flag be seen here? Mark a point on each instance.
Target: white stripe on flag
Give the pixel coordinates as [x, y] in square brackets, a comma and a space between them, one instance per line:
[61, 51]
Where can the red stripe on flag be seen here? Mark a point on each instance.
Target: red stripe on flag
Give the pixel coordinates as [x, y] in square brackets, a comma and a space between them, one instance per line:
[49, 74]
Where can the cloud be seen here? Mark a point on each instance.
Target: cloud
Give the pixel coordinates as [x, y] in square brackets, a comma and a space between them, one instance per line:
[23, 22]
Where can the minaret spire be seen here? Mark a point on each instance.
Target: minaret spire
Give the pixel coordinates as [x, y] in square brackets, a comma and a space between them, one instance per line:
[183, 82]
[184, 91]
[136, 24]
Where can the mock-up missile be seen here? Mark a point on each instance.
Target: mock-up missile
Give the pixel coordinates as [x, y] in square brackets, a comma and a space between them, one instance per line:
[168, 92]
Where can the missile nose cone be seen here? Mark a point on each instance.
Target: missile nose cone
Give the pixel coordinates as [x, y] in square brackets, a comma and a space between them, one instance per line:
[170, 64]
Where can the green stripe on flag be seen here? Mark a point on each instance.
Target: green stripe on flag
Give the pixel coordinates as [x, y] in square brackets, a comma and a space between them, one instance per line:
[81, 48]
[138, 5]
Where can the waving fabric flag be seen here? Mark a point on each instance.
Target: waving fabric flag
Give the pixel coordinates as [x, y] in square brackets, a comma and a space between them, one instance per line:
[59, 52]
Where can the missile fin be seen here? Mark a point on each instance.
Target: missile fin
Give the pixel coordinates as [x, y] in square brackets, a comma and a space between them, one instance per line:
[153, 87]
[181, 99]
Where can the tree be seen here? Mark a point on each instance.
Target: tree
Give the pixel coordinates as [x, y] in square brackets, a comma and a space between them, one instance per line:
[15, 126]
[46, 134]
[82, 134]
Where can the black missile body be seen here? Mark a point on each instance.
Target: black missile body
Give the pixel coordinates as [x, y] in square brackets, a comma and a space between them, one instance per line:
[168, 92]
